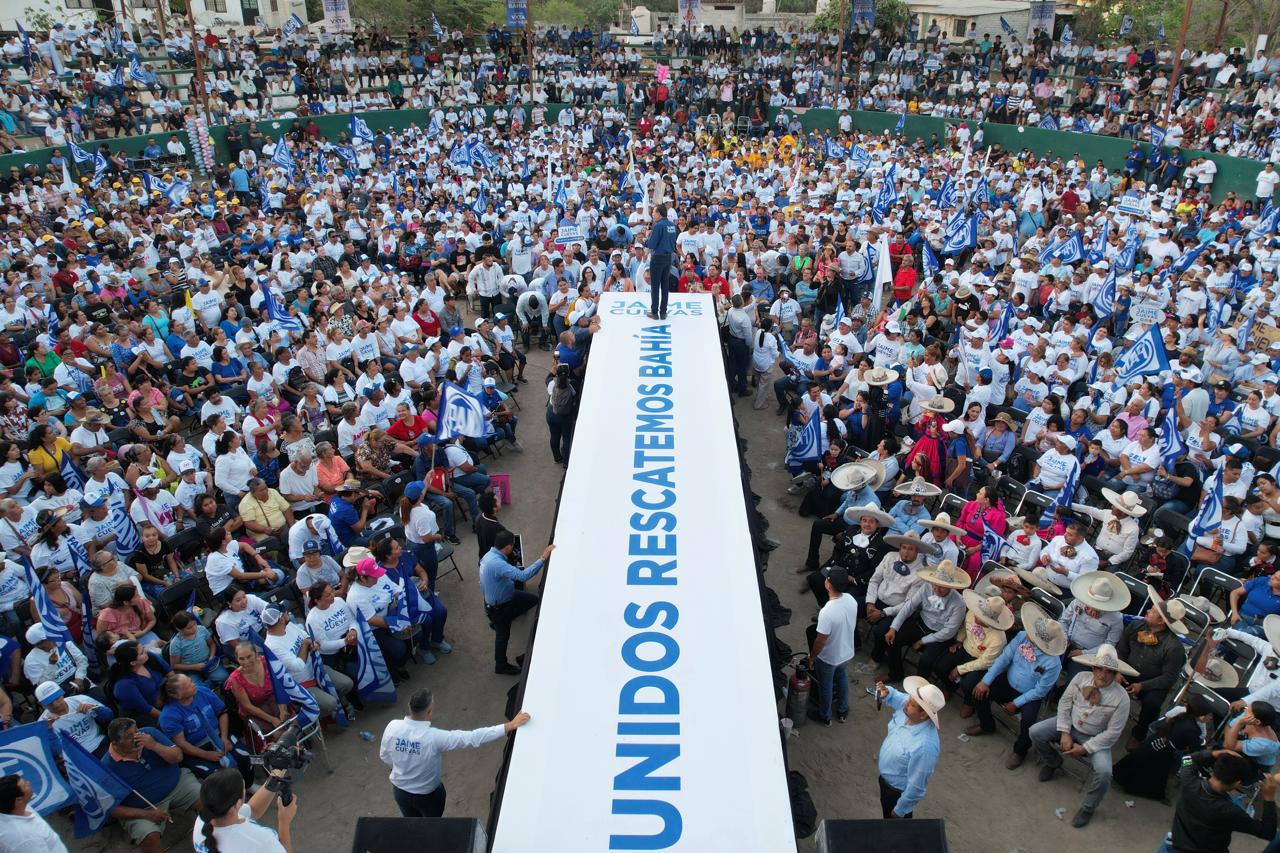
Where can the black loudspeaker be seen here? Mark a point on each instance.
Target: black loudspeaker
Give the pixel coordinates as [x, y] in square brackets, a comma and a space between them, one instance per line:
[882, 836]
[419, 835]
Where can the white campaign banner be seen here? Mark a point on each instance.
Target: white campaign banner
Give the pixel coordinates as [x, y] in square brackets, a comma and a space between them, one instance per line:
[654, 722]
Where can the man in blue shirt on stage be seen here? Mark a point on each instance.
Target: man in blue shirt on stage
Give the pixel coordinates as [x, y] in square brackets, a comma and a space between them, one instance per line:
[911, 747]
[503, 603]
[661, 245]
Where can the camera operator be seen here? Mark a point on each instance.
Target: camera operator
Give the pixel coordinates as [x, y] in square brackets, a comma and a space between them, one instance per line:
[412, 749]
[227, 824]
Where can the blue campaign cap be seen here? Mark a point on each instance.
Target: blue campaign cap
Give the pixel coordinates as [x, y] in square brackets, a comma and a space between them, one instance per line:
[414, 490]
[426, 438]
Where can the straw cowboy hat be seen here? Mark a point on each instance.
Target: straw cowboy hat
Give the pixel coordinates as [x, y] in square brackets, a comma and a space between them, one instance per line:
[990, 610]
[863, 473]
[854, 514]
[1043, 630]
[1128, 503]
[1204, 605]
[927, 696]
[943, 522]
[1101, 591]
[917, 487]
[1003, 418]
[1038, 577]
[1173, 611]
[880, 376]
[941, 405]
[354, 556]
[1218, 674]
[913, 538]
[1107, 658]
[946, 574]
[987, 586]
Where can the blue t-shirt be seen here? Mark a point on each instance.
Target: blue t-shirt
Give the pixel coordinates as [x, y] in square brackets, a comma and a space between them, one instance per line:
[569, 356]
[197, 722]
[342, 514]
[1259, 601]
[151, 776]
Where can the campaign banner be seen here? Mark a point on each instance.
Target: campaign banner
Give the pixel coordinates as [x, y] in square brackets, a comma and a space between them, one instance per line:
[645, 757]
[1041, 16]
[337, 15]
[517, 13]
[27, 751]
[864, 12]
[689, 11]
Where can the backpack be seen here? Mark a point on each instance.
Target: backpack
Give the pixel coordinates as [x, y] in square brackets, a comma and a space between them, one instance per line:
[561, 400]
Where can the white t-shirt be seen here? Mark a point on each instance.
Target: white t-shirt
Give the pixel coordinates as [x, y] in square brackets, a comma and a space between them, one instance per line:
[29, 832]
[247, 837]
[836, 620]
[422, 522]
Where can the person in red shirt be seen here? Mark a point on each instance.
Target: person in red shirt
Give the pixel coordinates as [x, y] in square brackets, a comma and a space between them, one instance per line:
[65, 279]
[904, 281]
[899, 248]
[1069, 201]
[407, 426]
[690, 281]
[426, 319]
[715, 283]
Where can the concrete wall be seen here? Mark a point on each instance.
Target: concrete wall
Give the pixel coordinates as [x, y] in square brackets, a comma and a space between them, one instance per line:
[1234, 174]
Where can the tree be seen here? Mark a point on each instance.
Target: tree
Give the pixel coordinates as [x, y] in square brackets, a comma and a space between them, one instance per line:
[891, 16]
[400, 14]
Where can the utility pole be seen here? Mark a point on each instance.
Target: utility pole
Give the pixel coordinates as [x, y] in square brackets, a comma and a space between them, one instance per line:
[1222, 24]
[1177, 62]
[160, 4]
[203, 93]
[528, 48]
[840, 52]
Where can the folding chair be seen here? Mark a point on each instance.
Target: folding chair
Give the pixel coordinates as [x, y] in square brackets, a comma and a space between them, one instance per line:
[1220, 706]
[1051, 604]
[1218, 585]
[1037, 499]
[954, 505]
[1138, 593]
[444, 551]
[1174, 525]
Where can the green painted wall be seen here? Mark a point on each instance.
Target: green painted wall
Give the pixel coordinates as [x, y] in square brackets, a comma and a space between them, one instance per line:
[1234, 174]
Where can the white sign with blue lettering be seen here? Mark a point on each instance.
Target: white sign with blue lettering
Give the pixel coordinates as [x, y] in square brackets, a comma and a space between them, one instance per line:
[654, 721]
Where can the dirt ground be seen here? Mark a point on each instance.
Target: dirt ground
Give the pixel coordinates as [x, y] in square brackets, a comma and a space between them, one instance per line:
[987, 808]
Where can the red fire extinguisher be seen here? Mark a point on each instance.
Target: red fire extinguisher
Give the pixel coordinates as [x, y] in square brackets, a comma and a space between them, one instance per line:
[798, 689]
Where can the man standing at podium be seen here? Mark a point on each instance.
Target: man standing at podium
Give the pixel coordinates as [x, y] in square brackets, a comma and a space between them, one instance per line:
[662, 245]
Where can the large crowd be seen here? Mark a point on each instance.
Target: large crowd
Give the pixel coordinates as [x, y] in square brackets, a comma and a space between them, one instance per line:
[79, 82]
[1032, 400]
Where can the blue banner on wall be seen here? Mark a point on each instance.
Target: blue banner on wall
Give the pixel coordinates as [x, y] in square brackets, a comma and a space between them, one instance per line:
[517, 13]
[864, 12]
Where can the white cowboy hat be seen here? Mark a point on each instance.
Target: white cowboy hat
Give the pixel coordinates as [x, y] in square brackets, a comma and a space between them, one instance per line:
[1038, 577]
[862, 473]
[1218, 674]
[919, 486]
[1199, 602]
[990, 610]
[941, 405]
[913, 538]
[854, 514]
[943, 522]
[927, 696]
[946, 574]
[1101, 591]
[1271, 630]
[354, 556]
[1129, 503]
[1043, 630]
[1173, 611]
[880, 376]
[1107, 658]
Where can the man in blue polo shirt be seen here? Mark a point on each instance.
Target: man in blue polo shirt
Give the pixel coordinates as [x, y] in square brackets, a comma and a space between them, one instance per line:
[1254, 602]
[148, 762]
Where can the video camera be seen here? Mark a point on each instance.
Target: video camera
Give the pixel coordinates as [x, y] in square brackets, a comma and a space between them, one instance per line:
[288, 756]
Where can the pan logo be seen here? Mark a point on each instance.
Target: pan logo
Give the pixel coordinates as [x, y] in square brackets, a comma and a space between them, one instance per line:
[29, 757]
[675, 308]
